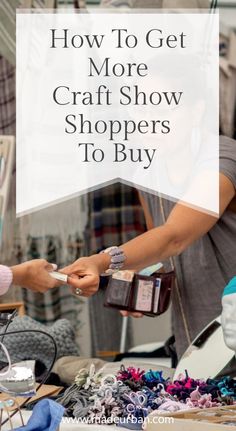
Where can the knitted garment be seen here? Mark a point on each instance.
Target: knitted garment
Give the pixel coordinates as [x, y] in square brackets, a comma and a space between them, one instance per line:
[5, 279]
[29, 345]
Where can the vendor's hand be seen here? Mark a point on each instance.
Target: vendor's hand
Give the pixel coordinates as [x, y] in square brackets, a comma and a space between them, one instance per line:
[84, 274]
[133, 314]
[34, 275]
[128, 313]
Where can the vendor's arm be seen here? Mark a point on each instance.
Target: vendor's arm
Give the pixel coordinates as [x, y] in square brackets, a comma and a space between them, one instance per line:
[183, 226]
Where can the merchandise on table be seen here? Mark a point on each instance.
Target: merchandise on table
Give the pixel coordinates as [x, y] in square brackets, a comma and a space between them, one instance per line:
[213, 419]
[38, 346]
[132, 394]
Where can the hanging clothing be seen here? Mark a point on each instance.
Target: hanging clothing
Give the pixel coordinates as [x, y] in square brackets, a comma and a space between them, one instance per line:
[55, 233]
[8, 29]
[165, 4]
[8, 23]
[228, 84]
[115, 216]
[8, 127]
[7, 98]
[206, 266]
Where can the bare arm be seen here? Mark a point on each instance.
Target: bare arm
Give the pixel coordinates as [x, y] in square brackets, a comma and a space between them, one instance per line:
[183, 226]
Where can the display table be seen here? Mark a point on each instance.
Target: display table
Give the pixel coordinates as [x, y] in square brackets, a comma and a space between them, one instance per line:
[211, 419]
[65, 425]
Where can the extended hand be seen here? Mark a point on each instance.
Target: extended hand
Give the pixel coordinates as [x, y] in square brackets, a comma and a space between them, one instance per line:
[34, 275]
[128, 313]
[83, 274]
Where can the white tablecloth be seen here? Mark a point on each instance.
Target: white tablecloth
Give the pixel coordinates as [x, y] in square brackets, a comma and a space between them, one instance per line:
[16, 422]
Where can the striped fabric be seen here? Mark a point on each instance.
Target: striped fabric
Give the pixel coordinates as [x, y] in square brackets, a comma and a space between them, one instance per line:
[7, 29]
[8, 23]
[17, 247]
[56, 303]
[115, 217]
[228, 85]
[153, 4]
[7, 98]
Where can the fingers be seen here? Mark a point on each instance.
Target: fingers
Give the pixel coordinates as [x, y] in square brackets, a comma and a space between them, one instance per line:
[133, 314]
[124, 313]
[88, 284]
[50, 266]
[43, 263]
[49, 282]
[68, 270]
[136, 315]
[84, 275]
[73, 281]
[83, 294]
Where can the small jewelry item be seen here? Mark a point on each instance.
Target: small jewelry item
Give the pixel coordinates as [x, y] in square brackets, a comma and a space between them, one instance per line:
[78, 291]
[117, 259]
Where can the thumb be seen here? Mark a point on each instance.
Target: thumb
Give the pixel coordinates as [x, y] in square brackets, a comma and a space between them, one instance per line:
[51, 267]
[68, 270]
[73, 280]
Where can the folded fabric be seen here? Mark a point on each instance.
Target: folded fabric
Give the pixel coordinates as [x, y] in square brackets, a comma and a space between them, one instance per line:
[28, 345]
[46, 416]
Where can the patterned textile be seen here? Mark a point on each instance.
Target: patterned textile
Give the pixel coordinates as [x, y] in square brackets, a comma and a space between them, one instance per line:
[54, 233]
[56, 303]
[115, 217]
[8, 127]
[8, 23]
[7, 29]
[7, 98]
[165, 4]
[29, 345]
[228, 84]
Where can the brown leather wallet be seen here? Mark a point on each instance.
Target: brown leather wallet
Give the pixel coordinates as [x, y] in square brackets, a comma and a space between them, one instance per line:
[133, 292]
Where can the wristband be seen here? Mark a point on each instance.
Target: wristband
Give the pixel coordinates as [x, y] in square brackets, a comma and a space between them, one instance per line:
[117, 259]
